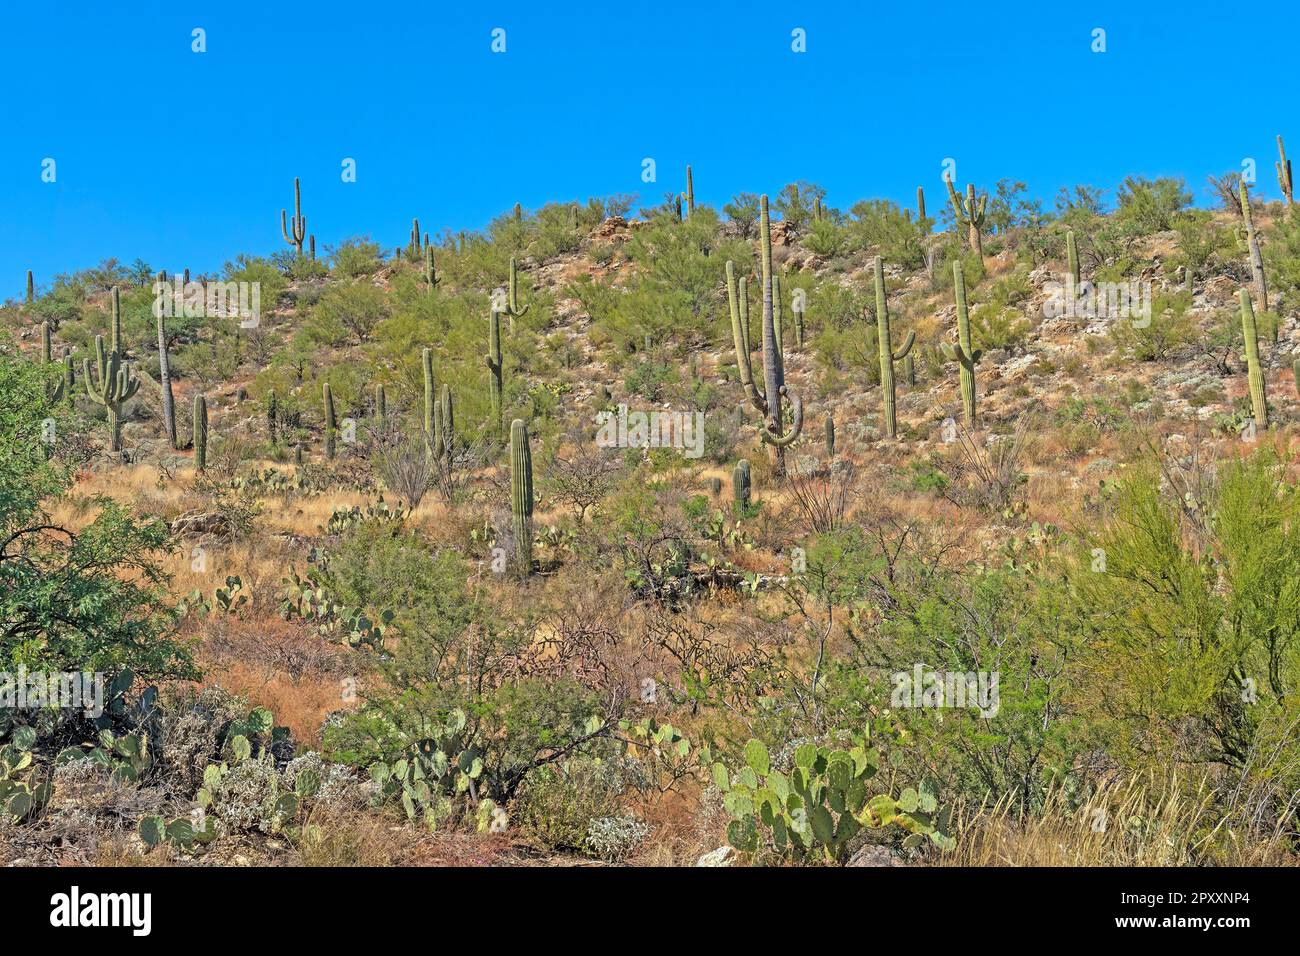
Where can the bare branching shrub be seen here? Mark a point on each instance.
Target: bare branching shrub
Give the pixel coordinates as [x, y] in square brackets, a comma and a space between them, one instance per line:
[822, 493]
[987, 473]
[583, 477]
[402, 463]
[452, 470]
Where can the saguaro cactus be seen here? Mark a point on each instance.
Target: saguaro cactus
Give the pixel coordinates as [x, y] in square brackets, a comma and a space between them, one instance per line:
[495, 366]
[769, 401]
[272, 415]
[381, 404]
[430, 273]
[47, 347]
[1251, 241]
[887, 354]
[521, 497]
[331, 425]
[741, 485]
[1072, 257]
[1284, 174]
[512, 299]
[200, 432]
[830, 436]
[165, 381]
[690, 192]
[1254, 372]
[116, 386]
[909, 369]
[778, 316]
[295, 231]
[920, 211]
[969, 214]
[961, 351]
[447, 421]
[31, 288]
[798, 305]
[430, 409]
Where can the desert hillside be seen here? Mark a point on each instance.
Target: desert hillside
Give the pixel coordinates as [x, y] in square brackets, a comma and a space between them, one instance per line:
[775, 533]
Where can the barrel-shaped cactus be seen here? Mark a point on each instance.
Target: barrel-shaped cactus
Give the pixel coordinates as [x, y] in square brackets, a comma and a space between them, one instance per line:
[1254, 371]
[961, 351]
[521, 497]
[741, 486]
[769, 401]
[331, 424]
[887, 354]
[200, 432]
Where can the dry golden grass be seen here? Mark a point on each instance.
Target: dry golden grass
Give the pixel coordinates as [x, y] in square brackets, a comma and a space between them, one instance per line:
[1140, 822]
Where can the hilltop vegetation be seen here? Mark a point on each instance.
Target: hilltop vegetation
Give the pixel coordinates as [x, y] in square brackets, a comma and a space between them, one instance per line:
[934, 562]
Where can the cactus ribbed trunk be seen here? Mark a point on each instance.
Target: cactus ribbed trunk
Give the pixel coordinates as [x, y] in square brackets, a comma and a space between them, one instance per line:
[920, 210]
[447, 421]
[381, 404]
[965, 356]
[200, 432]
[830, 436]
[909, 370]
[1072, 257]
[295, 230]
[496, 384]
[690, 192]
[47, 345]
[778, 316]
[327, 399]
[1254, 371]
[165, 384]
[887, 354]
[521, 497]
[1252, 246]
[430, 410]
[741, 485]
[31, 288]
[773, 366]
[1284, 174]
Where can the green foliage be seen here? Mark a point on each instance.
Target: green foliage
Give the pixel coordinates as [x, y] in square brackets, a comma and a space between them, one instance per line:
[1149, 205]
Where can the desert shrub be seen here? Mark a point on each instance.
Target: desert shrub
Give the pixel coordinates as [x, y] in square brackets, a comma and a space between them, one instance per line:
[1149, 205]
[559, 804]
[355, 257]
[1169, 328]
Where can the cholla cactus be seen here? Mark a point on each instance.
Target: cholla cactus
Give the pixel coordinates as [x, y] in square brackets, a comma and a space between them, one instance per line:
[295, 230]
[887, 355]
[521, 497]
[1254, 371]
[200, 432]
[1284, 174]
[969, 214]
[769, 401]
[961, 351]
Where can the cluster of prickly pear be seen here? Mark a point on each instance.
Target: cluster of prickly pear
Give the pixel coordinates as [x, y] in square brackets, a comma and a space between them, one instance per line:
[521, 497]
[445, 764]
[769, 402]
[125, 756]
[961, 351]
[821, 804]
[20, 797]
[180, 832]
[887, 354]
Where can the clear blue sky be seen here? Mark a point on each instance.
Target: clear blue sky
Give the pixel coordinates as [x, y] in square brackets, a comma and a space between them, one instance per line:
[185, 159]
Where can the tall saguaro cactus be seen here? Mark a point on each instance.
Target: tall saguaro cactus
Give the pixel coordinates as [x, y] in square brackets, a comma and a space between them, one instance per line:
[165, 377]
[331, 424]
[769, 401]
[798, 305]
[970, 214]
[830, 436]
[31, 288]
[512, 294]
[690, 193]
[114, 385]
[200, 432]
[430, 273]
[920, 211]
[1072, 257]
[1251, 240]
[430, 407]
[446, 422]
[887, 354]
[1284, 174]
[1254, 371]
[295, 231]
[778, 316]
[496, 367]
[961, 351]
[521, 497]
[47, 344]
